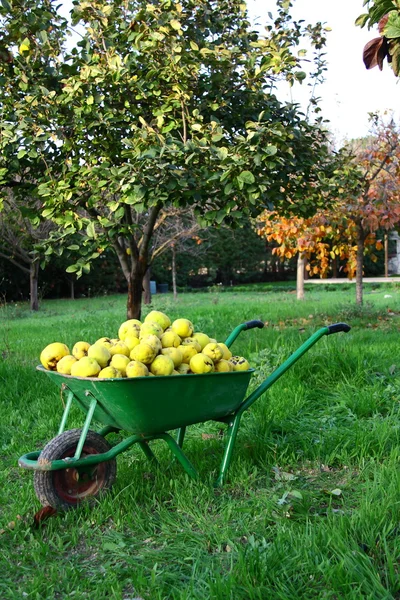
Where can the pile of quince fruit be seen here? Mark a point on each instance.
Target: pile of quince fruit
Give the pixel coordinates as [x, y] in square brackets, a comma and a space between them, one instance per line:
[154, 347]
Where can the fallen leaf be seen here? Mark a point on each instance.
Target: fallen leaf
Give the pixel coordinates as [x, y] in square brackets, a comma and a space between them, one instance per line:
[44, 513]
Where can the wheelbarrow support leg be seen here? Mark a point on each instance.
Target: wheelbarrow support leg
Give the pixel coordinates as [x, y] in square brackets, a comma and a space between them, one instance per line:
[180, 436]
[178, 453]
[231, 433]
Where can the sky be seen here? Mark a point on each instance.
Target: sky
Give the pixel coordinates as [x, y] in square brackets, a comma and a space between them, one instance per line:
[349, 92]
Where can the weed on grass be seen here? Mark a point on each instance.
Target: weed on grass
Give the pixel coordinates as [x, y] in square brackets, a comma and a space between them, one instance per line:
[310, 508]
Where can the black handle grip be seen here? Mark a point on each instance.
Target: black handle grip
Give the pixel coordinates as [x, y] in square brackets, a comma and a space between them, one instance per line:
[252, 324]
[336, 327]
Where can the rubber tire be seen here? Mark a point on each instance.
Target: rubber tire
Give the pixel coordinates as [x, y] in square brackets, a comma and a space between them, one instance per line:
[47, 483]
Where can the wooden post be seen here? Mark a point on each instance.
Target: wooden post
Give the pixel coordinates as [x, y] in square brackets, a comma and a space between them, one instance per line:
[386, 246]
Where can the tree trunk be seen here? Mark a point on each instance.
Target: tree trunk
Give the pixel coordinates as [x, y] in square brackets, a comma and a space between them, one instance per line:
[146, 287]
[300, 276]
[386, 244]
[135, 290]
[174, 272]
[335, 267]
[33, 282]
[360, 264]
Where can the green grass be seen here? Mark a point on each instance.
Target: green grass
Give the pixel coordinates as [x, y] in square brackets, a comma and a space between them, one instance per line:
[311, 507]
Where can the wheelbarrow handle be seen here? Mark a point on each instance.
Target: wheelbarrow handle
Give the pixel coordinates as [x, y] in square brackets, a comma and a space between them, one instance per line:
[253, 324]
[337, 327]
[242, 327]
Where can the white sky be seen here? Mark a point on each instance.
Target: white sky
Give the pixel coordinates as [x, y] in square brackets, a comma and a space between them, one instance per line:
[350, 92]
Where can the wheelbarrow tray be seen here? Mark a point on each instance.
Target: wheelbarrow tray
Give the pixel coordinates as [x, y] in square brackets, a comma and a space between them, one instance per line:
[152, 405]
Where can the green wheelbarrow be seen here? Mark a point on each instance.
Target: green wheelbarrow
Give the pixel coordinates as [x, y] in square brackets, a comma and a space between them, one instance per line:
[80, 464]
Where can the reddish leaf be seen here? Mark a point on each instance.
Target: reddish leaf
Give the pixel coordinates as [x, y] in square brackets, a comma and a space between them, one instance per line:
[375, 52]
[44, 513]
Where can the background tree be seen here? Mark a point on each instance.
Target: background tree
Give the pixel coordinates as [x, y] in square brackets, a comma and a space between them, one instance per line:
[20, 239]
[159, 105]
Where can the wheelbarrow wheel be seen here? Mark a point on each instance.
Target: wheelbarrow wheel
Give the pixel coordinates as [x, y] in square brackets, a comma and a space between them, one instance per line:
[66, 488]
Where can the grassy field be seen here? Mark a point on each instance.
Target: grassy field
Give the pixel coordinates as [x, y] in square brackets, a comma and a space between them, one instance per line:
[311, 506]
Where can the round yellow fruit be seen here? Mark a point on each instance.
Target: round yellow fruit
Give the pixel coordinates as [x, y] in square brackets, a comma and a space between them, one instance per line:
[223, 366]
[170, 339]
[158, 317]
[131, 341]
[85, 367]
[150, 328]
[175, 354]
[162, 365]
[153, 341]
[183, 369]
[131, 326]
[202, 339]
[136, 369]
[143, 353]
[201, 363]
[80, 349]
[120, 362]
[119, 348]
[110, 373]
[239, 363]
[226, 352]
[104, 341]
[189, 341]
[100, 353]
[65, 363]
[50, 355]
[213, 351]
[183, 327]
[187, 352]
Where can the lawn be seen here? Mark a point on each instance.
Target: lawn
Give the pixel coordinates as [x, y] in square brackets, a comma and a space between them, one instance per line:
[311, 506]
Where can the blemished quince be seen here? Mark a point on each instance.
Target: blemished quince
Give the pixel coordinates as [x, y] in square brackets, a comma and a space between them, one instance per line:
[150, 328]
[201, 363]
[170, 339]
[187, 352]
[223, 366]
[143, 353]
[54, 352]
[175, 354]
[100, 353]
[136, 369]
[120, 362]
[158, 317]
[183, 327]
[162, 365]
[109, 373]
[104, 341]
[131, 326]
[189, 341]
[85, 367]
[239, 363]
[80, 349]
[201, 338]
[213, 351]
[153, 341]
[131, 341]
[65, 363]
[226, 352]
[183, 369]
[119, 347]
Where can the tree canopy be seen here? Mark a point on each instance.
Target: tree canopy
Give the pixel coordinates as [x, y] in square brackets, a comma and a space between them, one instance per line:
[159, 105]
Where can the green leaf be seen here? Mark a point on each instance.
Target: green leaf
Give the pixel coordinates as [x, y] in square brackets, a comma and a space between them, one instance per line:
[21, 153]
[72, 269]
[392, 28]
[361, 20]
[175, 24]
[246, 177]
[193, 45]
[6, 5]
[90, 230]
[73, 247]
[43, 36]
[222, 153]
[25, 46]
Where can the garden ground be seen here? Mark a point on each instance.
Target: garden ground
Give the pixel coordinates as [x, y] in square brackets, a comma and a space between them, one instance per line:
[311, 506]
